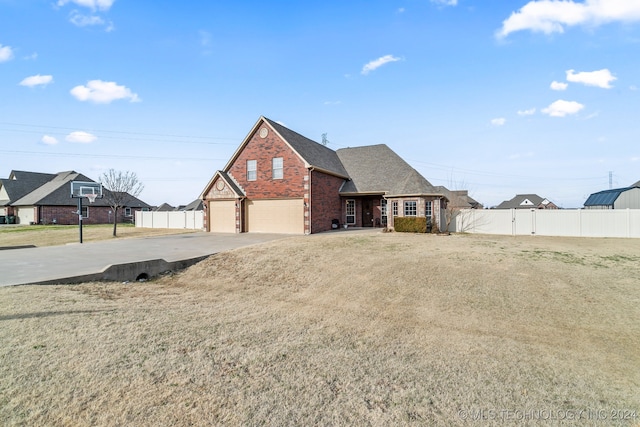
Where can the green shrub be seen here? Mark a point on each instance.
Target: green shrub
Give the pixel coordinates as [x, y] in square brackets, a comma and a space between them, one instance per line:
[410, 224]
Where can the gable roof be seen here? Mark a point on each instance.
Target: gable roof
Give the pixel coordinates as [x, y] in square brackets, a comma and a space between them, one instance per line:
[637, 184]
[521, 201]
[165, 207]
[459, 199]
[365, 164]
[314, 155]
[21, 183]
[53, 192]
[606, 197]
[56, 191]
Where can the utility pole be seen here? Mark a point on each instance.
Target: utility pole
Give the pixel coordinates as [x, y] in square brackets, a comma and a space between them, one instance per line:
[610, 180]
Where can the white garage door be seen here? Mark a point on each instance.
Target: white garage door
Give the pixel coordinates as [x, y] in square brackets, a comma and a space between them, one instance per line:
[275, 216]
[222, 216]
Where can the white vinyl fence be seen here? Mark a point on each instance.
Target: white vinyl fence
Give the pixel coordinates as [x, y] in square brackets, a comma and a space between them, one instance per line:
[192, 220]
[548, 222]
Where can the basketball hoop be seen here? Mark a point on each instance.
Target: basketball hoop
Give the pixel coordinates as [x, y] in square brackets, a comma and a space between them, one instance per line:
[92, 197]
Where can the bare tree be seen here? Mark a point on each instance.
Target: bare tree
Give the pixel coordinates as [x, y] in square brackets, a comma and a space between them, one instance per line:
[121, 187]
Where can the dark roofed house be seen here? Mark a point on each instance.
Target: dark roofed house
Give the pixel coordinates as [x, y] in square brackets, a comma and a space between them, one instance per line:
[280, 181]
[617, 198]
[39, 198]
[527, 201]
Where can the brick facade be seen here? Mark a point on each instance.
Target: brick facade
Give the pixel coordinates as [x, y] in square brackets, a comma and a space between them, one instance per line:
[66, 215]
[263, 150]
[326, 203]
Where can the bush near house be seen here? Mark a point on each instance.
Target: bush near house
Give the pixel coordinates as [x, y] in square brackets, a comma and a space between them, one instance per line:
[410, 224]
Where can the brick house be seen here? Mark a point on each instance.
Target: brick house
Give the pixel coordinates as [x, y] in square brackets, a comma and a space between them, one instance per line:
[282, 182]
[41, 198]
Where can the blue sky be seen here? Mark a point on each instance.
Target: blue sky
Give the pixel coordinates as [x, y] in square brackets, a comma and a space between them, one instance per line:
[497, 97]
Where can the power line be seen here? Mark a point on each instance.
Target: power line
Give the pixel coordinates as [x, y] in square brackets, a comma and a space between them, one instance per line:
[112, 156]
[155, 135]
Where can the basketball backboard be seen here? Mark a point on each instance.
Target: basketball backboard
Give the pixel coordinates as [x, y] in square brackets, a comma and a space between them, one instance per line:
[86, 189]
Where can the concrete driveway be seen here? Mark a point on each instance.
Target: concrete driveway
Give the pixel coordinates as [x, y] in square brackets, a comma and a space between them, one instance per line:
[125, 259]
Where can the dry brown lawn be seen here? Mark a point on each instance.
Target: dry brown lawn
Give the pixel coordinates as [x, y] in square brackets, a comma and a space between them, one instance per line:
[53, 235]
[339, 329]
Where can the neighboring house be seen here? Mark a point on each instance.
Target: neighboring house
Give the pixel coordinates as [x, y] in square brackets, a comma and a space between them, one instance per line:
[165, 207]
[196, 205]
[38, 198]
[527, 201]
[459, 199]
[618, 198]
[282, 182]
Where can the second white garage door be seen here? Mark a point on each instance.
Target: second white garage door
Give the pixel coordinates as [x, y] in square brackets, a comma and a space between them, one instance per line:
[222, 216]
[275, 216]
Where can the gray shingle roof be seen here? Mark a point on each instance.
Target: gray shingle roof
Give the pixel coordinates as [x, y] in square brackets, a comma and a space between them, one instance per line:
[313, 153]
[377, 169]
[516, 202]
[57, 192]
[21, 183]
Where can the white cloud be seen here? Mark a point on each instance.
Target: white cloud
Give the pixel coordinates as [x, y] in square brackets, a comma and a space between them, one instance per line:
[601, 78]
[500, 121]
[49, 140]
[6, 53]
[81, 137]
[529, 112]
[91, 4]
[377, 63]
[445, 2]
[80, 20]
[101, 92]
[558, 85]
[562, 108]
[36, 80]
[332, 102]
[552, 16]
[31, 57]
[401, 10]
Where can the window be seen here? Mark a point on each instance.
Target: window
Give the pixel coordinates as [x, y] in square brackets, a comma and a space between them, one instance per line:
[277, 168]
[428, 210]
[85, 212]
[252, 170]
[127, 211]
[394, 208]
[410, 208]
[351, 211]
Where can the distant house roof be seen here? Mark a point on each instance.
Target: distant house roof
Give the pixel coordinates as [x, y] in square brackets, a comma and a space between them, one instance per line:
[459, 199]
[21, 183]
[524, 201]
[606, 197]
[365, 166]
[165, 207]
[54, 190]
[196, 205]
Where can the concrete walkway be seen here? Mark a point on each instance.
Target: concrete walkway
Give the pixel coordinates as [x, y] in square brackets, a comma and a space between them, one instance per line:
[125, 259]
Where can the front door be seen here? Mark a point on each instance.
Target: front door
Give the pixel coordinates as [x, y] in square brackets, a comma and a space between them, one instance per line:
[367, 213]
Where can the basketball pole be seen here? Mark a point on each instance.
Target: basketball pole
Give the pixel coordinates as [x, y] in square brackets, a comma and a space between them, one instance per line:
[80, 217]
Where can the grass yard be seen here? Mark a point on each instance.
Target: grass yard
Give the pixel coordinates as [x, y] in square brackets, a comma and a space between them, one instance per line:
[339, 329]
[52, 235]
